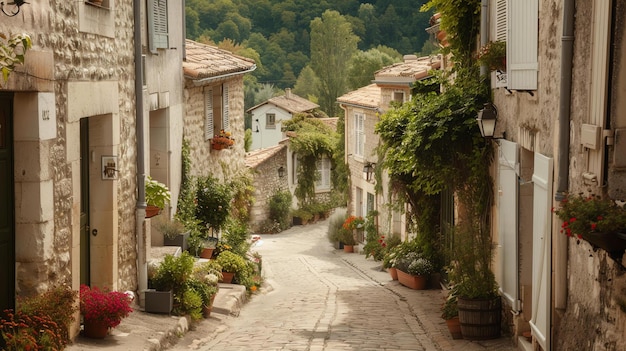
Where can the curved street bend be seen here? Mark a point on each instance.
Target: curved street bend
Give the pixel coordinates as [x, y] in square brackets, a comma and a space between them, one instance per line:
[318, 298]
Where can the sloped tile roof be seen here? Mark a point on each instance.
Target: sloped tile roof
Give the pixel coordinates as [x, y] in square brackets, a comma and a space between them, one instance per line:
[289, 102]
[256, 157]
[206, 61]
[368, 96]
[412, 67]
[331, 122]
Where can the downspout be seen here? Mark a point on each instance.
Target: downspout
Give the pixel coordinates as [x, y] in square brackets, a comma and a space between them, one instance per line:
[140, 210]
[484, 31]
[567, 54]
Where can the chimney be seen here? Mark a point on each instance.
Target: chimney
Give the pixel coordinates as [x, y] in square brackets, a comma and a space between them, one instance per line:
[288, 93]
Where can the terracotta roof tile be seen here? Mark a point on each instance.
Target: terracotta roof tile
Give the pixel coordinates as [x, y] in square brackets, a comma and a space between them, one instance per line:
[412, 67]
[289, 102]
[256, 157]
[206, 61]
[368, 96]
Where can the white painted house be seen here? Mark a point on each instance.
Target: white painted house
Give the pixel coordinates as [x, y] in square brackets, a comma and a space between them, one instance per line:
[268, 116]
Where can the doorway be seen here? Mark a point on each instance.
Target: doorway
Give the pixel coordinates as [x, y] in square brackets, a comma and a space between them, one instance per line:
[7, 205]
[84, 203]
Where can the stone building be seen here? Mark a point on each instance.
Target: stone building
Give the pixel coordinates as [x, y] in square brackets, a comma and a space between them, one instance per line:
[362, 108]
[214, 102]
[560, 120]
[81, 125]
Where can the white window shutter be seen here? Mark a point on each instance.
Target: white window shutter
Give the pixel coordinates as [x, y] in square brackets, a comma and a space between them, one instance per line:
[358, 134]
[157, 25]
[208, 114]
[521, 49]
[225, 117]
[501, 21]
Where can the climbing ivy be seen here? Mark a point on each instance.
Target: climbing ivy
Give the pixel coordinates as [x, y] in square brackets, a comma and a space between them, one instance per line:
[310, 140]
[12, 52]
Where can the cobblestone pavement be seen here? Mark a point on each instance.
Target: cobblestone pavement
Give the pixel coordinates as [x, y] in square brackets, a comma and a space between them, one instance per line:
[319, 298]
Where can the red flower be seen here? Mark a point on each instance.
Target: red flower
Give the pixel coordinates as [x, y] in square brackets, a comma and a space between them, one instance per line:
[572, 220]
[593, 226]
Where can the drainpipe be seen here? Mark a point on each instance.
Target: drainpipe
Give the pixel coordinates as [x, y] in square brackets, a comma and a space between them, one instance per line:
[140, 210]
[484, 30]
[567, 53]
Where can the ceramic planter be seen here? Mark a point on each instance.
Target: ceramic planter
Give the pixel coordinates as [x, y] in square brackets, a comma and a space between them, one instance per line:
[454, 326]
[609, 242]
[393, 272]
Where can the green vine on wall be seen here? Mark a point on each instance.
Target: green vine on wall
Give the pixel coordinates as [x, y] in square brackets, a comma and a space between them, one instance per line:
[13, 52]
[311, 139]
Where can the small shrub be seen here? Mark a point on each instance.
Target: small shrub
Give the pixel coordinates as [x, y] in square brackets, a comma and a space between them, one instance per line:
[213, 202]
[334, 224]
[279, 204]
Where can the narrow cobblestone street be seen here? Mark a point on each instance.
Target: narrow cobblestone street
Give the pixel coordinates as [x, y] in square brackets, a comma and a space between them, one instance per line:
[316, 300]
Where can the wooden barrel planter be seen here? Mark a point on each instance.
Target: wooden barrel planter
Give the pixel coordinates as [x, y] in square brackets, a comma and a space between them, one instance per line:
[480, 319]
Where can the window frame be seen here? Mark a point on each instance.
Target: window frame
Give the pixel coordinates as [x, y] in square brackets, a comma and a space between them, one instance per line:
[158, 25]
[359, 134]
[270, 121]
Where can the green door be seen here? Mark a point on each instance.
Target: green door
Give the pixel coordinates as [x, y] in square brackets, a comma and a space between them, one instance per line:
[84, 202]
[7, 233]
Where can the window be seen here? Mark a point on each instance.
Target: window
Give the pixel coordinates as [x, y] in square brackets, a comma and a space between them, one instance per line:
[270, 120]
[398, 96]
[359, 135]
[157, 25]
[323, 174]
[522, 44]
[370, 202]
[216, 116]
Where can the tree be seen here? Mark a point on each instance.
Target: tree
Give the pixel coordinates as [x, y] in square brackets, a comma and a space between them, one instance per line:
[364, 64]
[332, 47]
[306, 84]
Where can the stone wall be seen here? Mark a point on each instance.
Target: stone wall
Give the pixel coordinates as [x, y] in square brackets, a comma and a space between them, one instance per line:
[222, 164]
[266, 184]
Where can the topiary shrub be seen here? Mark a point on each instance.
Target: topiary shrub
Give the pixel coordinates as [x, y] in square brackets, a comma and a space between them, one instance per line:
[280, 204]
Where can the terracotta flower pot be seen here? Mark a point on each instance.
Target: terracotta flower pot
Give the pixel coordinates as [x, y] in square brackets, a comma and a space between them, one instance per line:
[416, 282]
[454, 326]
[348, 248]
[393, 272]
[95, 329]
[227, 277]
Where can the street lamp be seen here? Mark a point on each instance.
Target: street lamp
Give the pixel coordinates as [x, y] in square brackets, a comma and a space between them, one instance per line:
[487, 118]
[281, 171]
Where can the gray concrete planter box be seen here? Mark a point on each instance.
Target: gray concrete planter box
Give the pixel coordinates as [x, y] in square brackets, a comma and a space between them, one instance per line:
[179, 240]
[158, 301]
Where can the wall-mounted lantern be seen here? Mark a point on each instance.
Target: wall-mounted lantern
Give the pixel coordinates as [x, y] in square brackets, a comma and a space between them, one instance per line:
[11, 8]
[281, 171]
[487, 119]
[368, 171]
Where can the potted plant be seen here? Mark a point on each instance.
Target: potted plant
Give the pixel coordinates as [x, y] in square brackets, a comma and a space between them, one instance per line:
[222, 141]
[450, 313]
[346, 237]
[157, 196]
[174, 232]
[599, 221]
[207, 275]
[102, 310]
[414, 270]
[169, 283]
[213, 203]
[475, 284]
[301, 216]
[231, 264]
[493, 55]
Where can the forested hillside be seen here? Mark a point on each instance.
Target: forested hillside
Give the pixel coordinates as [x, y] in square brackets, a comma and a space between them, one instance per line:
[277, 33]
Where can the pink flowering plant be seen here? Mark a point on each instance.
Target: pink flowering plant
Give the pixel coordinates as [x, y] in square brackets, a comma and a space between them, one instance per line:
[107, 307]
[582, 215]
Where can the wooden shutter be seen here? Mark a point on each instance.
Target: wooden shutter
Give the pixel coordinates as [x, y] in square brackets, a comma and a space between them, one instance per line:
[208, 114]
[225, 109]
[358, 134]
[157, 25]
[508, 222]
[542, 249]
[521, 48]
[501, 20]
